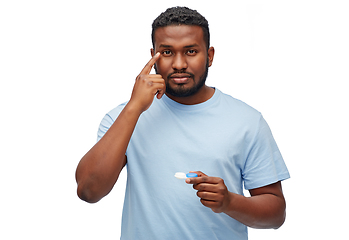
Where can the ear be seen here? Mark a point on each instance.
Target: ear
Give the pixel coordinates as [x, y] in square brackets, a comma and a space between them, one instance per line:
[152, 52]
[210, 54]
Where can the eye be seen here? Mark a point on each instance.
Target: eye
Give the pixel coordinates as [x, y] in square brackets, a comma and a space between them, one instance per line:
[191, 52]
[166, 53]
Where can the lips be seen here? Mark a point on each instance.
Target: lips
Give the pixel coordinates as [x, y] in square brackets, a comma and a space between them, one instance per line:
[180, 78]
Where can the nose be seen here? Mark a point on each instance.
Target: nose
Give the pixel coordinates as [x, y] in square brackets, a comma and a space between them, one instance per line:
[179, 62]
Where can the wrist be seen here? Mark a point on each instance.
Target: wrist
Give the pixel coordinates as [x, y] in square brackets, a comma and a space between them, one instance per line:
[133, 108]
[231, 204]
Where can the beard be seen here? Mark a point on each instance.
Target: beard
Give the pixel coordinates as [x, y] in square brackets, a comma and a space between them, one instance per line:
[181, 90]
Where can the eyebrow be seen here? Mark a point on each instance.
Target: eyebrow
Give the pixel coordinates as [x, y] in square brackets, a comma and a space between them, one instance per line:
[169, 46]
[191, 46]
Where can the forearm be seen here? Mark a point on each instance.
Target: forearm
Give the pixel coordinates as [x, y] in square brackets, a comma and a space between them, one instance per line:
[261, 211]
[99, 169]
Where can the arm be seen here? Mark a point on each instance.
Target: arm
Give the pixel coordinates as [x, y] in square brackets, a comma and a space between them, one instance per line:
[264, 209]
[99, 169]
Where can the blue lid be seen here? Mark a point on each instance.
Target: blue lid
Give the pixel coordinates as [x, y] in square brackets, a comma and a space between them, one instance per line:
[190, 175]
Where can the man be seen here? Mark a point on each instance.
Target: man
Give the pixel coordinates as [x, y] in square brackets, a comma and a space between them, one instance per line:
[187, 126]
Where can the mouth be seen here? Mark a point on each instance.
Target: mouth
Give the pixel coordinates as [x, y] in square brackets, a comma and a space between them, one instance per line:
[180, 78]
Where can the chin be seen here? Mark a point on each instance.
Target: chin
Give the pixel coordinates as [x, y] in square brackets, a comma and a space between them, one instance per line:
[181, 91]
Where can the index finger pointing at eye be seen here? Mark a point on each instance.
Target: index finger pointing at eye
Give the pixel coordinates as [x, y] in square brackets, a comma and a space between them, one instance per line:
[147, 68]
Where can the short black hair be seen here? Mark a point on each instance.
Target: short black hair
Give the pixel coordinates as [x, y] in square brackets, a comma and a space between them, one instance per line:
[181, 16]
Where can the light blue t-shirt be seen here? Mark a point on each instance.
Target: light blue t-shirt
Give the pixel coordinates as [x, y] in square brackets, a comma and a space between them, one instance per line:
[222, 137]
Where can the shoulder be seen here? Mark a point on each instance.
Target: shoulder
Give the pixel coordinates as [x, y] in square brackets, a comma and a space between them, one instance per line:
[114, 113]
[108, 120]
[237, 107]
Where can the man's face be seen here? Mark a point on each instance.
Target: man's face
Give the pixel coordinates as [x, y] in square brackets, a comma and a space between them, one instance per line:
[184, 59]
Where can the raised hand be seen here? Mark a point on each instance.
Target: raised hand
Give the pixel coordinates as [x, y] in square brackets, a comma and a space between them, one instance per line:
[146, 86]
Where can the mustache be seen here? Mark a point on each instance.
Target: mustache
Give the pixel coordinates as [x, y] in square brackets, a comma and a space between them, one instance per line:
[180, 72]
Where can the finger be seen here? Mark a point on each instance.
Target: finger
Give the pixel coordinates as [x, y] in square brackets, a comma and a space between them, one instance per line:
[158, 87]
[203, 179]
[150, 77]
[199, 173]
[158, 83]
[211, 204]
[208, 203]
[161, 92]
[207, 187]
[208, 196]
[154, 77]
[147, 68]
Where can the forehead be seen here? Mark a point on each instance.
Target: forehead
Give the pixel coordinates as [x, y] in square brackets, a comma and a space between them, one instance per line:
[179, 35]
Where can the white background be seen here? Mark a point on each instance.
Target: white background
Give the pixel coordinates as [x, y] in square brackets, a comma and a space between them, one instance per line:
[64, 64]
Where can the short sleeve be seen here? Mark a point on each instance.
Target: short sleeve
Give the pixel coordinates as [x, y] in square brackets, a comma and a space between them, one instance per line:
[264, 164]
[108, 120]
